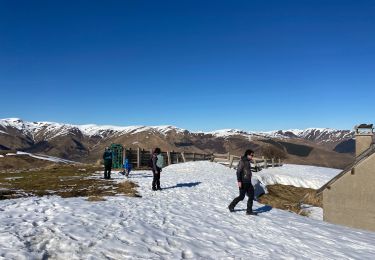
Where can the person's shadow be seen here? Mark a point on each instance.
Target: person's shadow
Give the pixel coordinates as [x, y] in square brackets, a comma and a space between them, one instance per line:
[183, 185]
[263, 209]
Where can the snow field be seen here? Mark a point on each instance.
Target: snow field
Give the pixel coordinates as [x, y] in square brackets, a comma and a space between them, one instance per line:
[189, 219]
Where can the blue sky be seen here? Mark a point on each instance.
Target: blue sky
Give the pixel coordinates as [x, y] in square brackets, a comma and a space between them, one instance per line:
[200, 65]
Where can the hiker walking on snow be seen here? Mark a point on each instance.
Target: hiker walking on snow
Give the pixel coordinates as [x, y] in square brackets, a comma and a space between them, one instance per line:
[107, 157]
[157, 162]
[244, 183]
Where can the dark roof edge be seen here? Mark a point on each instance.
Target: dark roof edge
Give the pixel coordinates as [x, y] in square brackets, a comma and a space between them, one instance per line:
[359, 159]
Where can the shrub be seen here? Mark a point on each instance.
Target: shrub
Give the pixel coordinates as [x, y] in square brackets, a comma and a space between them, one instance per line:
[270, 151]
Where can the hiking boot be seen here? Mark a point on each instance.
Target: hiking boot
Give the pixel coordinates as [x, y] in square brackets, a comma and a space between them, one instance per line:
[153, 188]
[159, 188]
[230, 208]
[252, 213]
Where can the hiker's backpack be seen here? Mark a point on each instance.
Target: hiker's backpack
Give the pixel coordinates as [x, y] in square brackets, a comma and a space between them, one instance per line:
[160, 161]
[108, 155]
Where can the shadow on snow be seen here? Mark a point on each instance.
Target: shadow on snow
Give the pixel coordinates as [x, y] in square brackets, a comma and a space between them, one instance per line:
[263, 209]
[183, 185]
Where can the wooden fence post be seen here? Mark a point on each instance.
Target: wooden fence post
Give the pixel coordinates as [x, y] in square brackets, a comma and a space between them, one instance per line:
[273, 162]
[231, 161]
[183, 156]
[139, 157]
[265, 162]
[193, 157]
[279, 162]
[169, 158]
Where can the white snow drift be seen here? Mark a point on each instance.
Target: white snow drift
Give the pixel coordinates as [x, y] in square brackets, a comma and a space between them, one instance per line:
[188, 219]
[41, 157]
[46, 157]
[304, 176]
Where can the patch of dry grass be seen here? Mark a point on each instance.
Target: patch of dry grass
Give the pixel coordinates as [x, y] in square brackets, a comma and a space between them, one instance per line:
[7, 194]
[290, 198]
[62, 180]
[96, 198]
[21, 162]
[128, 188]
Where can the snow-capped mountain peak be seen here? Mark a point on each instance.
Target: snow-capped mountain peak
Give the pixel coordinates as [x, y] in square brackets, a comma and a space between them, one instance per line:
[50, 130]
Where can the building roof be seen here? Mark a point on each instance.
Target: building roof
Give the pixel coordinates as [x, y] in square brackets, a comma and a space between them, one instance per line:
[358, 160]
[364, 126]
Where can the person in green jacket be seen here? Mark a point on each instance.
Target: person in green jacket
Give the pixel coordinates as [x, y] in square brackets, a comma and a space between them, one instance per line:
[107, 157]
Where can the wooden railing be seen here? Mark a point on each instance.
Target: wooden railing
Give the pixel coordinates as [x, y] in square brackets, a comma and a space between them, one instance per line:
[257, 163]
[140, 158]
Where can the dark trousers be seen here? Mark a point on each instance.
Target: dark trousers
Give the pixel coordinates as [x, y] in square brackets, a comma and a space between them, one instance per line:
[107, 170]
[246, 189]
[156, 180]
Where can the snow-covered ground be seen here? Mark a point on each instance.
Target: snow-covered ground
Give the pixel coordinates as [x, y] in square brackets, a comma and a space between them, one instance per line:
[41, 157]
[313, 212]
[297, 175]
[188, 219]
[45, 157]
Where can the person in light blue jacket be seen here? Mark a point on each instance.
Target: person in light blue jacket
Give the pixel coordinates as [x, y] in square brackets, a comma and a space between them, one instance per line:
[127, 167]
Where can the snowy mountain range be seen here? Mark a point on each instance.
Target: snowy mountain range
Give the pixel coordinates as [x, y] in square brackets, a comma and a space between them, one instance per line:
[50, 130]
[86, 142]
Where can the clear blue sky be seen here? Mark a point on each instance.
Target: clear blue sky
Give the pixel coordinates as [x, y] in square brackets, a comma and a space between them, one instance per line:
[200, 65]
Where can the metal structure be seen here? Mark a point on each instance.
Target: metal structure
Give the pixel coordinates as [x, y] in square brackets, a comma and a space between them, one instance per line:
[364, 129]
[117, 159]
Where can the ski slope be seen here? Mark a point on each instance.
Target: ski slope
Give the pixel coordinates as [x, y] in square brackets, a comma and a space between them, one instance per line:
[304, 176]
[189, 219]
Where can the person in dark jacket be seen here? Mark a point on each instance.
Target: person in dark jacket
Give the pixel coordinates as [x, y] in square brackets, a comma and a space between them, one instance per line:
[107, 157]
[244, 183]
[155, 170]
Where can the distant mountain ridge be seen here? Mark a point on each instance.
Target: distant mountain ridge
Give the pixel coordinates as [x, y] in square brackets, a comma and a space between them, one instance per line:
[49, 130]
[85, 143]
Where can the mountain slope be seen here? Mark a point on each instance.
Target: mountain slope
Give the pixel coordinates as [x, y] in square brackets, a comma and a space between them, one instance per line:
[85, 143]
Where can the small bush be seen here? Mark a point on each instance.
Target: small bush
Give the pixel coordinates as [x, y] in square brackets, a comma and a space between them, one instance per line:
[270, 151]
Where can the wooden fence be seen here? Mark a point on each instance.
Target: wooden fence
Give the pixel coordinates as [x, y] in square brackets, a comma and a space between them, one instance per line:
[257, 163]
[140, 158]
